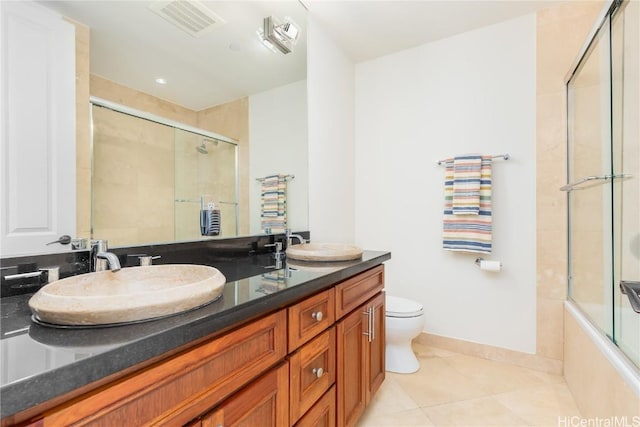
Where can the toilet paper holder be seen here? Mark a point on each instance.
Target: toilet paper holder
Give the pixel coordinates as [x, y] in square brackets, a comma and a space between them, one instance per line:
[488, 265]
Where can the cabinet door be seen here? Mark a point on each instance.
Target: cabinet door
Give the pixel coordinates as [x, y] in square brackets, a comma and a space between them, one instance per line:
[361, 359]
[376, 349]
[263, 403]
[351, 355]
[37, 148]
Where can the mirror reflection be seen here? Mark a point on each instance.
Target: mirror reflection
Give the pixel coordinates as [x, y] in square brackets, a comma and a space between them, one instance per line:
[151, 181]
[224, 81]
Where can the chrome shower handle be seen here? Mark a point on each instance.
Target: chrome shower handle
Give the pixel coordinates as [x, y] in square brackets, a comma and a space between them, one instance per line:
[632, 290]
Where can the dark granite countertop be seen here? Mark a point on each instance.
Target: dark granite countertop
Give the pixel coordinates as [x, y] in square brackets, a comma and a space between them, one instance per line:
[41, 363]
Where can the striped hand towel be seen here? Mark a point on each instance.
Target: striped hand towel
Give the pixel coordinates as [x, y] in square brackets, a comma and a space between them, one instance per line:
[274, 203]
[466, 184]
[468, 232]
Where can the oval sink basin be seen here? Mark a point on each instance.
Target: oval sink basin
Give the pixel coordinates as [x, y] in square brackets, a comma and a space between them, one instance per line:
[129, 295]
[324, 252]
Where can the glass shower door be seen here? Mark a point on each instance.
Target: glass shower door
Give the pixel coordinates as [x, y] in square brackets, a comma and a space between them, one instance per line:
[590, 191]
[625, 60]
[603, 99]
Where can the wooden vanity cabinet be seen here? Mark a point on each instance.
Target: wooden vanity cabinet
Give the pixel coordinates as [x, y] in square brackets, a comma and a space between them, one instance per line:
[315, 363]
[179, 389]
[360, 345]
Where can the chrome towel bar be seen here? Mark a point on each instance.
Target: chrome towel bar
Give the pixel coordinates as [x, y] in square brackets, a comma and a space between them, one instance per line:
[499, 156]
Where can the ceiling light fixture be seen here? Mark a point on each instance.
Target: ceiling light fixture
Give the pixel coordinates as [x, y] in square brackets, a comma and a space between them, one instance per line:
[161, 81]
[282, 35]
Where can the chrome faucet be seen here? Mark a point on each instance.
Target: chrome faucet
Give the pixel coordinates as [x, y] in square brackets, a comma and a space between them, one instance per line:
[290, 238]
[101, 259]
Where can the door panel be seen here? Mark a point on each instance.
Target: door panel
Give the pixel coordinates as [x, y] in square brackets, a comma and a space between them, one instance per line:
[38, 157]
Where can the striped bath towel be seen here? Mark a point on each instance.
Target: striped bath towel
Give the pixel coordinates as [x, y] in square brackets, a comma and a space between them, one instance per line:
[468, 232]
[274, 204]
[466, 184]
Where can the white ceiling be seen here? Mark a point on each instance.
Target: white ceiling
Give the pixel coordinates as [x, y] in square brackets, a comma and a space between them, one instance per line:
[132, 46]
[370, 29]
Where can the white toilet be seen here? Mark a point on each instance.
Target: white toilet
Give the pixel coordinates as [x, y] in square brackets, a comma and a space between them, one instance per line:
[404, 321]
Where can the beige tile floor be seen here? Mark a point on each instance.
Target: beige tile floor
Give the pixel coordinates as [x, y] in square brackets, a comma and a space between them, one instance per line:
[453, 389]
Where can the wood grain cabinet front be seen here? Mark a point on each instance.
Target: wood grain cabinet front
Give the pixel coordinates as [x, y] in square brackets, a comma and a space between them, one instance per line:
[310, 317]
[315, 363]
[177, 390]
[313, 372]
[323, 413]
[360, 340]
[358, 289]
[262, 403]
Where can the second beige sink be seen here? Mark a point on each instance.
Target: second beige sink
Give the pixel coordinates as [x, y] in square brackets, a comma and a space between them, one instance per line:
[324, 252]
[129, 295]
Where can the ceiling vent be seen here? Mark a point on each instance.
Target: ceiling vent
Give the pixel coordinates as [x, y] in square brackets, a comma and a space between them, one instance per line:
[190, 16]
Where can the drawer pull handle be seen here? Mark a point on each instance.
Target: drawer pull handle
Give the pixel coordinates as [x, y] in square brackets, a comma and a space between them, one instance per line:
[317, 315]
[318, 372]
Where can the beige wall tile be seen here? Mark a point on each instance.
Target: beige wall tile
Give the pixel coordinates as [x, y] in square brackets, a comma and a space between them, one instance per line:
[549, 339]
[533, 361]
[232, 119]
[83, 133]
[598, 389]
[106, 89]
[561, 31]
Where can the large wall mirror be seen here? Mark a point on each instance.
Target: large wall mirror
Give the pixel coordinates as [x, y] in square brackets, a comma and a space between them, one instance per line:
[240, 106]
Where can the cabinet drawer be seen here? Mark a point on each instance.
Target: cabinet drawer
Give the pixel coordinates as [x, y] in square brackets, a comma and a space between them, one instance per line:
[323, 413]
[310, 317]
[177, 390]
[358, 289]
[261, 403]
[313, 372]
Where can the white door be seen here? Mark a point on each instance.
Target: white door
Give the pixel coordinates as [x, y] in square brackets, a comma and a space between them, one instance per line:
[37, 128]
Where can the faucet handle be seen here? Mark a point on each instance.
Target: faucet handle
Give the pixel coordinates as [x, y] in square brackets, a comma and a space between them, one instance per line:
[147, 260]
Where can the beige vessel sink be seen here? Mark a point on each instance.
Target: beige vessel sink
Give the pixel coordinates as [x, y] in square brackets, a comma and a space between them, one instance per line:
[324, 252]
[129, 295]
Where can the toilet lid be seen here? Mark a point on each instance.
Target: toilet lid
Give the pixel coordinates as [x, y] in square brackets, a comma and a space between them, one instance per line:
[402, 307]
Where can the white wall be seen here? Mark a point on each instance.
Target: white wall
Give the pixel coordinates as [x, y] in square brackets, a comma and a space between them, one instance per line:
[278, 134]
[474, 92]
[330, 74]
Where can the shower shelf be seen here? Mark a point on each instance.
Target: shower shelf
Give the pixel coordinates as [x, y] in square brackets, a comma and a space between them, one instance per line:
[198, 201]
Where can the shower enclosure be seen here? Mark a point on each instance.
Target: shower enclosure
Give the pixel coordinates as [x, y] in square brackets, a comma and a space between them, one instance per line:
[150, 177]
[603, 190]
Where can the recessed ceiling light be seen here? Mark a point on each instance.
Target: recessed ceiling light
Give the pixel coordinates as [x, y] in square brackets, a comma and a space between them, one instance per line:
[161, 81]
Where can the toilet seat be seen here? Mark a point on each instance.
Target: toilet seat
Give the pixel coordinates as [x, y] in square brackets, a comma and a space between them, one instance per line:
[402, 307]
